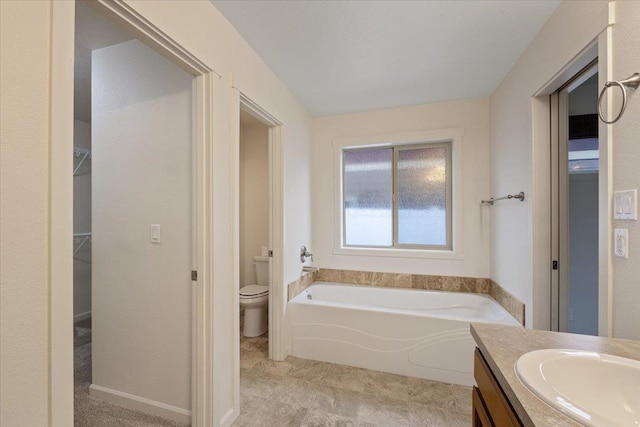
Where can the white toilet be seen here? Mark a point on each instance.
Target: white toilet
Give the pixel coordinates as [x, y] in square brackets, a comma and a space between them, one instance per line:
[255, 300]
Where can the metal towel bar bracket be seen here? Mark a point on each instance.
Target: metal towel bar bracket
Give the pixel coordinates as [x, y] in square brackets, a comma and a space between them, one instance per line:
[519, 196]
[632, 82]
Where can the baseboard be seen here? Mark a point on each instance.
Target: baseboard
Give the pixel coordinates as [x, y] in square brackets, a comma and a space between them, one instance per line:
[141, 404]
[81, 316]
[229, 417]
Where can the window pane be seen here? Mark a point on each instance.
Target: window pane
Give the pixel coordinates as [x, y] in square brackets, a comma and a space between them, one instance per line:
[422, 196]
[368, 189]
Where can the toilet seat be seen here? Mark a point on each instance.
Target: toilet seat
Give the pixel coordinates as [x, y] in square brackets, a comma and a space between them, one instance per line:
[253, 291]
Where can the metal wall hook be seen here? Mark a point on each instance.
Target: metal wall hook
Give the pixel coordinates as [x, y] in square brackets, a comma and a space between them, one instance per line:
[632, 82]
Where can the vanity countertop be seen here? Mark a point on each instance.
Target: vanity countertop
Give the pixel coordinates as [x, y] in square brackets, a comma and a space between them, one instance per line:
[503, 345]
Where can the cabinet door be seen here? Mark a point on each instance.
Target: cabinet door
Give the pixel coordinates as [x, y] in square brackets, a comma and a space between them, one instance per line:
[497, 406]
[480, 416]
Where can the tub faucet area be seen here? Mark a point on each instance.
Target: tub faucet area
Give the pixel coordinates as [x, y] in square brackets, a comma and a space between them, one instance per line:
[304, 254]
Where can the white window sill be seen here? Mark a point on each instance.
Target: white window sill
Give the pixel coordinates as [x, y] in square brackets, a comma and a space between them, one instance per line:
[399, 253]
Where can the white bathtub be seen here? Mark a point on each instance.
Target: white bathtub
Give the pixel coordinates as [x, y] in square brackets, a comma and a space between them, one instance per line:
[409, 332]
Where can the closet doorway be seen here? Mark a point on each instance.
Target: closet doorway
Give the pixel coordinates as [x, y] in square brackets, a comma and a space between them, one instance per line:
[575, 204]
[134, 234]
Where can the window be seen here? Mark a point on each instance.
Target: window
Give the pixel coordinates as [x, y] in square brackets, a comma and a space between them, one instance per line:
[397, 196]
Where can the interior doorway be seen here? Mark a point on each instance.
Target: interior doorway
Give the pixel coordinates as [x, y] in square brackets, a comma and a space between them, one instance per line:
[271, 345]
[575, 204]
[254, 228]
[204, 81]
[133, 229]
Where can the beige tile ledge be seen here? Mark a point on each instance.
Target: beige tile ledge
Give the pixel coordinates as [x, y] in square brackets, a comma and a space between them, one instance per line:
[300, 284]
[413, 281]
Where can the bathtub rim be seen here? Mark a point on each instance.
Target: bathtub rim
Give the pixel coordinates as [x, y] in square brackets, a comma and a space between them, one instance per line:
[302, 300]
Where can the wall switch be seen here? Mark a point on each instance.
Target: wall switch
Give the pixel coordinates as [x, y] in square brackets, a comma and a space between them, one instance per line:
[155, 233]
[621, 243]
[625, 204]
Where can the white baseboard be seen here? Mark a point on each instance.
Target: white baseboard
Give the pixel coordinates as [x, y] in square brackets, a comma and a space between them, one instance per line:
[81, 316]
[141, 404]
[230, 417]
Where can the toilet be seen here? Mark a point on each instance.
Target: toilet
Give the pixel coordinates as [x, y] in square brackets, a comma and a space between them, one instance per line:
[255, 299]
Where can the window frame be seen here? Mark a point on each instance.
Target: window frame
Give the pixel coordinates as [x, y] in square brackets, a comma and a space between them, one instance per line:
[449, 137]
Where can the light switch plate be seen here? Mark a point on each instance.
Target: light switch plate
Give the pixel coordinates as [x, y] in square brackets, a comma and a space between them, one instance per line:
[621, 242]
[625, 204]
[155, 233]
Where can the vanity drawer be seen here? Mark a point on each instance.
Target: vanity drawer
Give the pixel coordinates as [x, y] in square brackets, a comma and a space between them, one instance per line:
[494, 402]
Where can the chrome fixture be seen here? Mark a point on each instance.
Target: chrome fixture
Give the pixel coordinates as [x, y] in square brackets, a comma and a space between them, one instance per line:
[632, 82]
[519, 196]
[304, 254]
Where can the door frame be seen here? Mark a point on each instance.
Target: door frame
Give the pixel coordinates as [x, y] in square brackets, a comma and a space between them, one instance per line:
[542, 118]
[276, 230]
[560, 196]
[61, 206]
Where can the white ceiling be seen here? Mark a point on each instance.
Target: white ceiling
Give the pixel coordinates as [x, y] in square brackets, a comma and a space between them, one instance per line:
[348, 56]
[93, 31]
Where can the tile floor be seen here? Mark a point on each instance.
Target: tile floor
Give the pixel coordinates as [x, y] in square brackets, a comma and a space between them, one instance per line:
[300, 392]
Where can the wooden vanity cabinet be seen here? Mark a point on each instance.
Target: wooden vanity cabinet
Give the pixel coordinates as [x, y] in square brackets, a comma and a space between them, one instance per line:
[491, 408]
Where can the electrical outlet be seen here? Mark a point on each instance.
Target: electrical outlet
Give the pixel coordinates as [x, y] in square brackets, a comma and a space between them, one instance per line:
[621, 242]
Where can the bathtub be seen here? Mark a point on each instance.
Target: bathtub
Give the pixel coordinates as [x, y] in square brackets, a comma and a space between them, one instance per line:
[416, 333]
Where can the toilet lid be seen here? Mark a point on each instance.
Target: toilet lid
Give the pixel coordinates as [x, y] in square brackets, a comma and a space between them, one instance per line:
[254, 290]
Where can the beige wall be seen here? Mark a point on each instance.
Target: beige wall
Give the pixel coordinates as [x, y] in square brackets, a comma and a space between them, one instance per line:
[24, 213]
[471, 115]
[25, 77]
[254, 197]
[141, 309]
[576, 24]
[626, 173]
[82, 224]
[569, 30]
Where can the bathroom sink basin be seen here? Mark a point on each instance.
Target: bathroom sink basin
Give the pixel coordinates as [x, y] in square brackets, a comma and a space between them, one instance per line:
[594, 389]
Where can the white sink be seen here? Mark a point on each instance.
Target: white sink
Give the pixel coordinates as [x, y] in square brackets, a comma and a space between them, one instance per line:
[594, 389]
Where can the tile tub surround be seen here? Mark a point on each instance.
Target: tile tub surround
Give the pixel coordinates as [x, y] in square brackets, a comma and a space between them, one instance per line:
[413, 281]
[501, 347]
[300, 284]
[300, 392]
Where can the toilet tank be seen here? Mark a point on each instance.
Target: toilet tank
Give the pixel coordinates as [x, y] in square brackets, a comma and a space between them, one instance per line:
[261, 264]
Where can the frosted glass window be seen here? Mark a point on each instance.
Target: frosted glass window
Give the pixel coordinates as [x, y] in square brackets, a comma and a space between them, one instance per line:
[368, 197]
[419, 216]
[422, 196]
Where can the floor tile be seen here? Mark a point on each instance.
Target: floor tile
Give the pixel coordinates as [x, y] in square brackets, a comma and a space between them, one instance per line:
[301, 392]
[296, 391]
[346, 377]
[250, 358]
[310, 370]
[385, 385]
[258, 344]
[275, 413]
[317, 418]
[268, 366]
[429, 392]
[257, 385]
[382, 411]
[461, 398]
[433, 416]
[337, 401]
[249, 405]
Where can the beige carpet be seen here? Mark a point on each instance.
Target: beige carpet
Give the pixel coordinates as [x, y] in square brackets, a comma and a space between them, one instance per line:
[90, 412]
